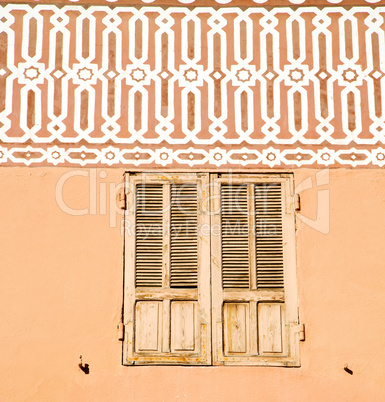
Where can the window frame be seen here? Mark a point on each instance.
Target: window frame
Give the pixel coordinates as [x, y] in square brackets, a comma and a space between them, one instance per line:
[213, 332]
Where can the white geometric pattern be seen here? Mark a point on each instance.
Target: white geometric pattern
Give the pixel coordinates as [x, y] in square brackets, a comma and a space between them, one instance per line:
[191, 157]
[194, 87]
[244, 3]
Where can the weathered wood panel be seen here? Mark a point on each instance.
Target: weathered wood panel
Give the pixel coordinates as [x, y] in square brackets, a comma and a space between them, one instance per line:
[183, 326]
[236, 316]
[270, 328]
[148, 325]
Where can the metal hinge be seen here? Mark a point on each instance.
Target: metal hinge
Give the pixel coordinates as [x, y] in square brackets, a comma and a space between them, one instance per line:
[301, 332]
[121, 331]
[121, 198]
[297, 202]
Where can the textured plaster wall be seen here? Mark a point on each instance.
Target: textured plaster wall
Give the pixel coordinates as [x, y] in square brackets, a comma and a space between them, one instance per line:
[61, 296]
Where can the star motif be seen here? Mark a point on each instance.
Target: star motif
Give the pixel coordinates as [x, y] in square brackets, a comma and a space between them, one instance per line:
[31, 73]
[138, 74]
[380, 156]
[191, 75]
[350, 75]
[325, 157]
[85, 74]
[243, 75]
[270, 156]
[55, 155]
[217, 156]
[164, 156]
[296, 75]
[110, 155]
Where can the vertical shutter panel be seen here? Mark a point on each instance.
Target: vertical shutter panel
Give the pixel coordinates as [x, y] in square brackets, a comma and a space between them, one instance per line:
[269, 244]
[184, 255]
[235, 236]
[149, 235]
[167, 270]
[254, 317]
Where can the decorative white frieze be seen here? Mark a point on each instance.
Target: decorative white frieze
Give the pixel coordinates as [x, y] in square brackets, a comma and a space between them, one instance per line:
[192, 87]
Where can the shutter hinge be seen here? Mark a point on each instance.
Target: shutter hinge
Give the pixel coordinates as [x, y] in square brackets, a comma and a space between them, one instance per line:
[301, 332]
[121, 198]
[121, 331]
[297, 202]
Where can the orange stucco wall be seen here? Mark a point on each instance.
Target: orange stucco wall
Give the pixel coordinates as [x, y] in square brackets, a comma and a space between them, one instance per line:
[61, 296]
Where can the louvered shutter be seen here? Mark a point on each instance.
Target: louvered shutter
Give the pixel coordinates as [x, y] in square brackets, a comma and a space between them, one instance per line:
[167, 270]
[254, 292]
[184, 239]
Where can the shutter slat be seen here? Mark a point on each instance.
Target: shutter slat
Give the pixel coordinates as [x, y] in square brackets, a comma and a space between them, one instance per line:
[149, 235]
[183, 236]
[235, 237]
[269, 245]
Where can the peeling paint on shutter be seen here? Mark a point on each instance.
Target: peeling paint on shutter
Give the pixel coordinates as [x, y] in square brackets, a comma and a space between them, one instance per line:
[235, 236]
[167, 304]
[184, 256]
[269, 247]
[254, 318]
[167, 270]
[149, 235]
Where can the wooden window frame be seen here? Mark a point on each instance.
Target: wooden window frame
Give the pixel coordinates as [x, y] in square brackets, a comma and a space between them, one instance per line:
[210, 333]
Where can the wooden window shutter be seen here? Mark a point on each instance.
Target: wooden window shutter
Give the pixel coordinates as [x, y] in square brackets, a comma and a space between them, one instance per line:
[254, 295]
[167, 270]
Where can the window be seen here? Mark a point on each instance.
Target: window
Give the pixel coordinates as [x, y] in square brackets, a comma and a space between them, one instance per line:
[210, 270]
